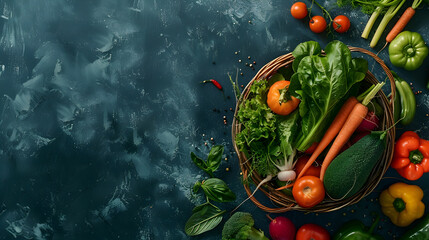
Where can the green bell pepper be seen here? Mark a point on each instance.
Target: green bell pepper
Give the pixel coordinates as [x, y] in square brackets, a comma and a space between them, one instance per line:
[408, 50]
[356, 230]
[420, 231]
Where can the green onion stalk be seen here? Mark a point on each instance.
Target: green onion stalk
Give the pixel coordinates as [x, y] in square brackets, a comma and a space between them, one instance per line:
[391, 12]
[378, 10]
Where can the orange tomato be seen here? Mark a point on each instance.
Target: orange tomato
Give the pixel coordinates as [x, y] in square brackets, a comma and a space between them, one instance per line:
[308, 191]
[275, 94]
[317, 24]
[314, 170]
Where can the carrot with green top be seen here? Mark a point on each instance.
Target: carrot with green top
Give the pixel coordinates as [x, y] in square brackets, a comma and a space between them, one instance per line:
[353, 121]
[403, 21]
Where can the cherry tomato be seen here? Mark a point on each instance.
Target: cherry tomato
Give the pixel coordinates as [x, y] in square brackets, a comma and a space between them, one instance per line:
[317, 24]
[276, 93]
[308, 191]
[341, 24]
[299, 10]
[312, 232]
[314, 170]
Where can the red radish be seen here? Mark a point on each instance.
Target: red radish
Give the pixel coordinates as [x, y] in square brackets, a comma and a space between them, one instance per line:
[282, 228]
[369, 123]
[356, 137]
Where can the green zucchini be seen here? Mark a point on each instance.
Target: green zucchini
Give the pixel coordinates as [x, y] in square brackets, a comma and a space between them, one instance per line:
[350, 170]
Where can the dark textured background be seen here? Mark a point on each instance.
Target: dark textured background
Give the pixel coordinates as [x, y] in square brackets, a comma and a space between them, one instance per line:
[101, 106]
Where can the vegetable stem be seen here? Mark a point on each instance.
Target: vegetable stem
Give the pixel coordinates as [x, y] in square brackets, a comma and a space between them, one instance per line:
[383, 24]
[364, 94]
[324, 10]
[371, 22]
[372, 93]
[416, 3]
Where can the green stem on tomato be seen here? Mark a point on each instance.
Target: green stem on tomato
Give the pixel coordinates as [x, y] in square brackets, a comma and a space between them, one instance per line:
[391, 12]
[324, 10]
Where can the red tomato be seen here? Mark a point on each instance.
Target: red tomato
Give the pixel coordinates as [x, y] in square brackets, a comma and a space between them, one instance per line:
[299, 10]
[311, 149]
[341, 24]
[317, 24]
[314, 170]
[308, 191]
[274, 96]
[312, 232]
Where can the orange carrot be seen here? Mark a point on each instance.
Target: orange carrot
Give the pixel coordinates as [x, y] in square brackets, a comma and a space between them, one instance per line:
[330, 134]
[400, 25]
[353, 121]
[332, 131]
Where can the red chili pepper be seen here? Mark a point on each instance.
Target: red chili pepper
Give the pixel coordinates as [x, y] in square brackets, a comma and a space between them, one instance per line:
[216, 83]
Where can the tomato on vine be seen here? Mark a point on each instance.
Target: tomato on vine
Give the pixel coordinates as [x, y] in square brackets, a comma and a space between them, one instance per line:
[299, 10]
[317, 24]
[341, 24]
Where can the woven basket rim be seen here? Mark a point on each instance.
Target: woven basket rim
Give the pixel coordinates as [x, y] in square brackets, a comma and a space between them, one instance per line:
[282, 202]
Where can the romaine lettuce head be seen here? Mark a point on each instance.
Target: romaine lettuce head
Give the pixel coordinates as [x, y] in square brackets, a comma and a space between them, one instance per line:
[322, 82]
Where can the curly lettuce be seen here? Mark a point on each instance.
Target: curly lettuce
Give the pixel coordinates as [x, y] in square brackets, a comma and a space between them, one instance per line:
[266, 138]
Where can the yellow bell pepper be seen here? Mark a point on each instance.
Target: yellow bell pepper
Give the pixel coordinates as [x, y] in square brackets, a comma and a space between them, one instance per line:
[402, 203]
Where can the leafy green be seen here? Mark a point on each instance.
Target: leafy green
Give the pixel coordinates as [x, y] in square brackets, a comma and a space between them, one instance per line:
[258, 128]
[265, 137]
[303, 50]
[240, 226]
[213, 160]
[367, 6]
[287, 131]
[321, 82]
[216, 190]
[205, 217]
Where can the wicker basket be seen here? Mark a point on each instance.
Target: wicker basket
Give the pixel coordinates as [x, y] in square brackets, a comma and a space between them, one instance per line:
[282, 202]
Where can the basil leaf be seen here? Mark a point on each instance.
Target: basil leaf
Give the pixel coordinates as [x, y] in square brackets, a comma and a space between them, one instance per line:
[204, 218]
[305, 49]
[199, 207]
[198, 161]
[215, 157]
[217, 190]
[213, 162]
[196, 187]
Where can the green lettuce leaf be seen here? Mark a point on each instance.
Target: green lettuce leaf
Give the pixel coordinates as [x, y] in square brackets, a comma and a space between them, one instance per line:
[321, 82]
[303, 50]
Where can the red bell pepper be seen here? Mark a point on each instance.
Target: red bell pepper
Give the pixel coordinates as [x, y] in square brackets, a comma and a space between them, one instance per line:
[411, 156]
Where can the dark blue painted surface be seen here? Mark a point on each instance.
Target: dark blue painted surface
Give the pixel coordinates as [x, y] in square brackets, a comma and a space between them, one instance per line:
[102, 106]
